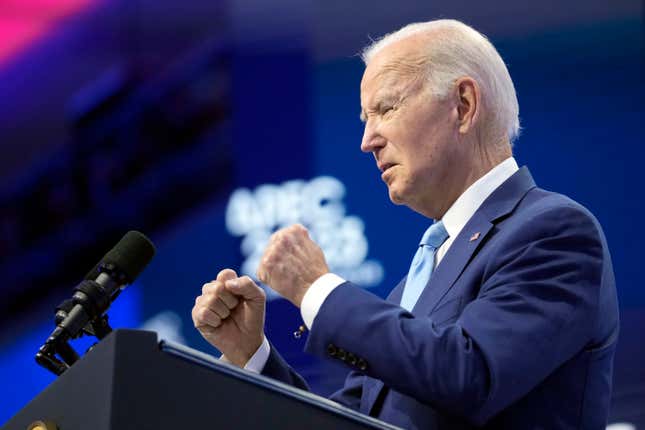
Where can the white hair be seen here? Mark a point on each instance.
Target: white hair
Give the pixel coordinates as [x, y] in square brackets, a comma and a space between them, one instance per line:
[458, 50]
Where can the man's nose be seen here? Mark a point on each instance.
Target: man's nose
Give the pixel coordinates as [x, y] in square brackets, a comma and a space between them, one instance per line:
[372, 140]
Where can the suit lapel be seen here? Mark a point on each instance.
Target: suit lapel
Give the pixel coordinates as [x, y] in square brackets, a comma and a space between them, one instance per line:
[446, 273]
[472, 237]
[396, 294]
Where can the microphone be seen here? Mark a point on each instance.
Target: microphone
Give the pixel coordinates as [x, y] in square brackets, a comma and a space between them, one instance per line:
[92, 298]
[118, 268]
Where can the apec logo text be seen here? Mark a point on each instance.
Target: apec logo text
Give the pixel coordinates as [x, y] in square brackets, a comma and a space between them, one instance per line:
[318, 205]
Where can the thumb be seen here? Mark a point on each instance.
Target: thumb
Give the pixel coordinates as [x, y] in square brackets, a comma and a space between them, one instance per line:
[226, 274]
[245, 287]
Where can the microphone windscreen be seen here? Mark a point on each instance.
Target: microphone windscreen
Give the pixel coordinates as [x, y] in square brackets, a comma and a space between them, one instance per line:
[95, 272]
[131, 255]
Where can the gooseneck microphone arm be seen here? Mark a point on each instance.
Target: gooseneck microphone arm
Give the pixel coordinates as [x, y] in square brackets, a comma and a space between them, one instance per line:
[85, 313]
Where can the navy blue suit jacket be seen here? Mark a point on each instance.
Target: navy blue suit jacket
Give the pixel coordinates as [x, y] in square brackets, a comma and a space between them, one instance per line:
[515, 330]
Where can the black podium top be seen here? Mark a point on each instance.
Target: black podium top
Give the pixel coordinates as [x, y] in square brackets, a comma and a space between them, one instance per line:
[130, 380]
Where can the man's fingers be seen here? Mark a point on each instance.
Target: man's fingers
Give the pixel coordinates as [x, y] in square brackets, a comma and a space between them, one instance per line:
[217, 289]
[228, 298]
[246, 288]
[217, 306]
[203, 316]
[211, 287]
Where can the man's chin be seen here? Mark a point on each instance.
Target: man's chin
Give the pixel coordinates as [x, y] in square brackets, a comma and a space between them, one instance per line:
[395, 197]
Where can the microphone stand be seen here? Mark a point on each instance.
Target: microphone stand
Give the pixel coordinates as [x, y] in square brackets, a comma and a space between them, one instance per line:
[73, 321]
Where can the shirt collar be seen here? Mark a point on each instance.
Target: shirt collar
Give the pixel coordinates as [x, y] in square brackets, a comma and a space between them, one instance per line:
[470, 200]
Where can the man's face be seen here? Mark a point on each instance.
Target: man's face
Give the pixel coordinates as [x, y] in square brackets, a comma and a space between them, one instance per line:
[411, 134]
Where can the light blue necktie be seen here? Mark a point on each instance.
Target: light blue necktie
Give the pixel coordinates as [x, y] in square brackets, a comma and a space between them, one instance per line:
[423, 264]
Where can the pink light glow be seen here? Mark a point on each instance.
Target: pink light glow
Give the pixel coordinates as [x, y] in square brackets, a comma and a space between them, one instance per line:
[23, 22]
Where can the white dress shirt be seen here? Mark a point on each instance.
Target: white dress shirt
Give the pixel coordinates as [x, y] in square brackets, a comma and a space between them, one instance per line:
[454, 221]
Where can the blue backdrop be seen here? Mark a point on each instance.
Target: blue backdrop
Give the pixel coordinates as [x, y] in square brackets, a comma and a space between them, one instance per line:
[293, 104]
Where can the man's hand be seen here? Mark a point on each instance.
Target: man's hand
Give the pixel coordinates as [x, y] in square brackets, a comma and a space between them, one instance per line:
[291, 263]
[230, 315]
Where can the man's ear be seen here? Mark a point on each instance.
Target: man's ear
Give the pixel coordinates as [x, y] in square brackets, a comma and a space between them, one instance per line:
[468, 103]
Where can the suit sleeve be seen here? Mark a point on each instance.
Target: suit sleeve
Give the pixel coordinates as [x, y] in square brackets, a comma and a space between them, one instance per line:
[277, 368]
[535, 309]
[350, 394]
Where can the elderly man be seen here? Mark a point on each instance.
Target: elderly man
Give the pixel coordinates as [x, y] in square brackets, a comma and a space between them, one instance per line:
[508, 316]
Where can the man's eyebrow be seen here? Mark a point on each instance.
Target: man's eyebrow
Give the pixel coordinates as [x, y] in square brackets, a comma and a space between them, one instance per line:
[383, 97]
[389, 73]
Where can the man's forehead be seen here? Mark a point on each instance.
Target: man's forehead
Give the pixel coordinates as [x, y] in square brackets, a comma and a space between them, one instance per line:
[385, 76]
[395, 61]
[388, 76]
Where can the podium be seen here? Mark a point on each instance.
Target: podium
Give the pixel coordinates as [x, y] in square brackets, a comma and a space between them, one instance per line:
[130, 380]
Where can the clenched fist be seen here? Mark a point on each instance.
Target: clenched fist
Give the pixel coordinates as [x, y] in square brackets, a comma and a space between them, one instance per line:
[291, 263]
[230, 315]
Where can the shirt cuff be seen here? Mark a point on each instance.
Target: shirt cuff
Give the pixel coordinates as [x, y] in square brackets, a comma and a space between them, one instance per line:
[259, 359]
[316, 295]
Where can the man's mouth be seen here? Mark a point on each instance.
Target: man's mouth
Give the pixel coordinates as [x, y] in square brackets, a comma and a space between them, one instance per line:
[384, 166]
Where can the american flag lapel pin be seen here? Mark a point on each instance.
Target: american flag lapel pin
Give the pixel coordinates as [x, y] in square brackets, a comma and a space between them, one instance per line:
[474, 237]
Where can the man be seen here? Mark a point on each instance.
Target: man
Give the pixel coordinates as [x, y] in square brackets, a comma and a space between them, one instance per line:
[508, 317]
